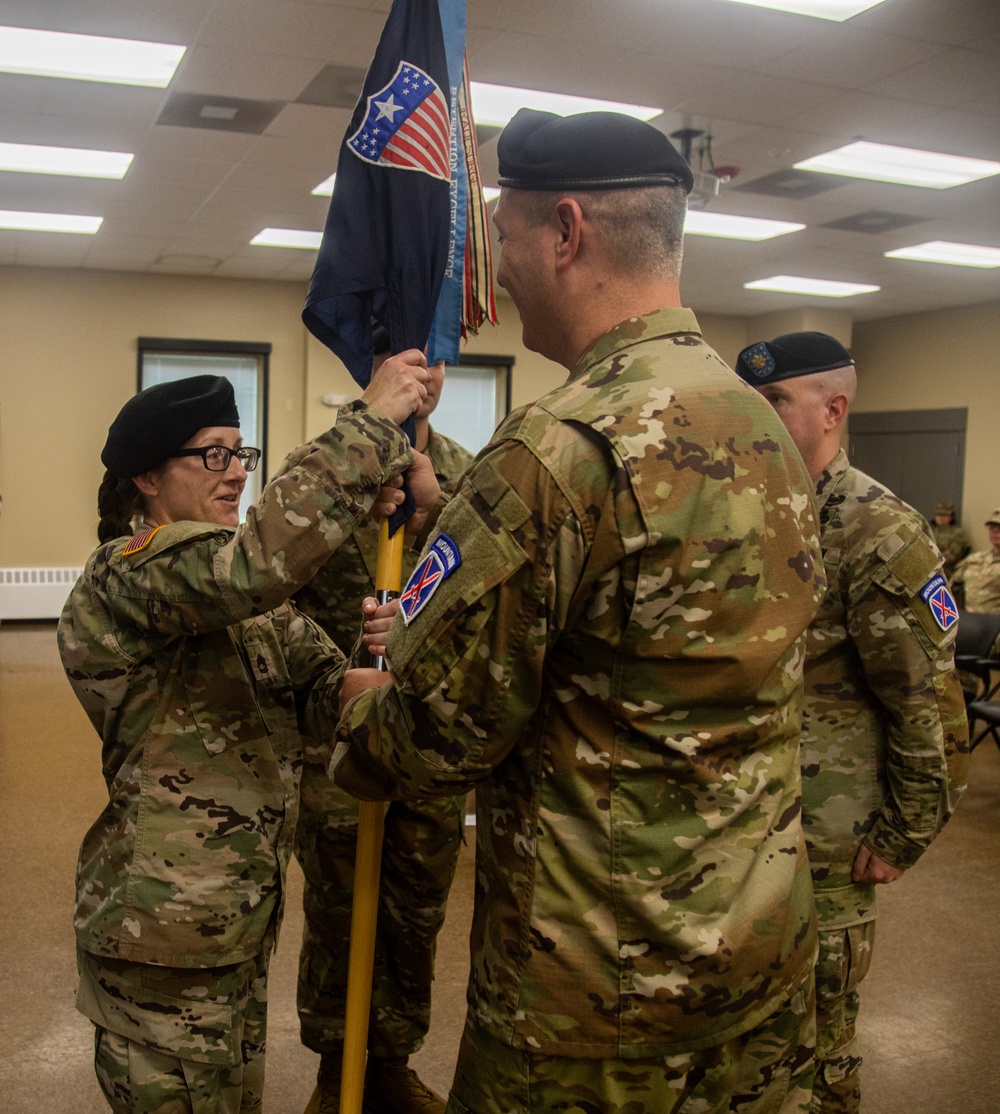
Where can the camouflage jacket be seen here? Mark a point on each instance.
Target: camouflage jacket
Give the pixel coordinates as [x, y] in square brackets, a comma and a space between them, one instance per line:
[616, 663]
[954, 545]
[333, 597]
[979, 576]
[198, 678]
[884, 734]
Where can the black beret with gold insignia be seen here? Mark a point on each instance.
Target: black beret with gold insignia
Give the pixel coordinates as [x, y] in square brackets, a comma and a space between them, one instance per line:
[791, 355]
[159, 420]
[589, 151]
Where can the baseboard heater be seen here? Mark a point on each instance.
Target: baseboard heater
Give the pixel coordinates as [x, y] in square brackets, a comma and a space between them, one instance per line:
[34, 593]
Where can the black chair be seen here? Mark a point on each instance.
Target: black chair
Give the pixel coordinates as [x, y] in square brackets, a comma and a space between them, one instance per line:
[974, 656]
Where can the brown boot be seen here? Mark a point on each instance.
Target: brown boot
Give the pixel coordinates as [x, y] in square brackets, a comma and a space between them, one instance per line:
[326, 1096]
[393, 1088]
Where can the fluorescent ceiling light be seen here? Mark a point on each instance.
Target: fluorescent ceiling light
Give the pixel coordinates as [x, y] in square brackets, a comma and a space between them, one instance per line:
[48, 222]
[494, 105]
[837, 10]
[88, 57]
[325, 188]
[821, 288]
[700, 223]
[287, 238]
[903, 165]
[31, 159]
[941, 251]
[490, 192]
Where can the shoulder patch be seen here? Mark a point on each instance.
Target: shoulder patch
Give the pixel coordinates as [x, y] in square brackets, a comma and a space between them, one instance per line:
[440, 562]
[936, 595]
[140, 541]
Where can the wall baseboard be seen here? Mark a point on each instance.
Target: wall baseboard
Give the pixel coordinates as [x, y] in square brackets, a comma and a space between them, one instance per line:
[35, 593]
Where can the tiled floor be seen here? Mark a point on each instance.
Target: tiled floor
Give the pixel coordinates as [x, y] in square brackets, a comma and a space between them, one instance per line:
[929, 1019]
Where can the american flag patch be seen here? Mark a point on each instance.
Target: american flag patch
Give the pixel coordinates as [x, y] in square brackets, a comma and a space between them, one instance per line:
[139, 541]
[407, 125]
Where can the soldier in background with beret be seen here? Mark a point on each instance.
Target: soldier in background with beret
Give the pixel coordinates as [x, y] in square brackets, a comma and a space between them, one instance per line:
[978, 576]
[199, 677]
[605, 638]
[949, 537]
[884, 733]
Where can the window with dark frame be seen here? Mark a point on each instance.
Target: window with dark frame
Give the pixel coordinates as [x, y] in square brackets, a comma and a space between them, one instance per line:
[244, 363]
[475, 399]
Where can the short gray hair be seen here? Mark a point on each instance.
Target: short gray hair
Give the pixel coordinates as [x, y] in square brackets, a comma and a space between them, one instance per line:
[640, 230]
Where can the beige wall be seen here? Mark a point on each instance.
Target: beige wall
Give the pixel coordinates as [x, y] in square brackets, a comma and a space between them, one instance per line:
[68, 363]
[931, 361]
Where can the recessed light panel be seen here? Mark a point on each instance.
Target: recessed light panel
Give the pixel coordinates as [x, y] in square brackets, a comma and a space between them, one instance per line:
[49, 222]
[31, 159]
[957, 255]
[88, 57]
[494, 105]
[701, 223]
[836, 10]
[288, 238]
[820, 288]
[904, 166]
[325, 188]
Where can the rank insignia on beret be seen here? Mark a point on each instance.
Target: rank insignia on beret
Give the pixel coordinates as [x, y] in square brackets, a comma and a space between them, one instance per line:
[936, 595]
[759, 359]
[140, 541]
[440, 562]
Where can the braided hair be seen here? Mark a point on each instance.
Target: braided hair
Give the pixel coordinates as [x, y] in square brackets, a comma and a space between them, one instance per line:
[118, 502]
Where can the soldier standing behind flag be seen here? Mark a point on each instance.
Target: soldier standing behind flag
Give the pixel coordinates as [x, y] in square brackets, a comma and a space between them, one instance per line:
[199, 676]
[884, 733]
[607, 641]
[419, 854]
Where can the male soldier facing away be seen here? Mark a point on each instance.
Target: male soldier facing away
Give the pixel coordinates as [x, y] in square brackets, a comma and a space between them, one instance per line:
[884, 734]
[605, 637]
[419, 855]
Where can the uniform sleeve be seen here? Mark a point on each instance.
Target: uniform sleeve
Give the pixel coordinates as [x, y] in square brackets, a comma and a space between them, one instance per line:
[195, 577]
[908, 663]
[468, 666]
[316, 668]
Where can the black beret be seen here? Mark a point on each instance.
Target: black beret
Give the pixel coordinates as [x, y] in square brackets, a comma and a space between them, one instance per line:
[590, 151]
[158, 421]
[791, 355]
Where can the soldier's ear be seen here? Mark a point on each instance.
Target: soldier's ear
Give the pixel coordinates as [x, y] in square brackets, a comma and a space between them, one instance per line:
[836, 410]
[148, 483]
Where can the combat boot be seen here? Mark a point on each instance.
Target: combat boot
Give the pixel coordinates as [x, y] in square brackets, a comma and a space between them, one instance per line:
[393, 1088]
[326, 1096]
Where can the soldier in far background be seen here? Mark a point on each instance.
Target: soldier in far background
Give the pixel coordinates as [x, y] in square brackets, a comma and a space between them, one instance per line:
[884, 733]
[977, 578]
[419, 855]
[951, 539]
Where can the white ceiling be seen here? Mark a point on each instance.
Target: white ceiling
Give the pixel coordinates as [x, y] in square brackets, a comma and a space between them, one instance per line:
[771, 89]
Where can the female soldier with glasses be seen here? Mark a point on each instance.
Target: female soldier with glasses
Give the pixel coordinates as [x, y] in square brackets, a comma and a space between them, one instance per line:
[199, 677]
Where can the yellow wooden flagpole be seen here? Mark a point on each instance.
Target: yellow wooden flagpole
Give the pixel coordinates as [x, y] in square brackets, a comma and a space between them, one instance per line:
[367, 868]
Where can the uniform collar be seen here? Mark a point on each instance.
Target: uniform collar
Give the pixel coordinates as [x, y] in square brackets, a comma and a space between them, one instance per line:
[829, 476]
[633, 330]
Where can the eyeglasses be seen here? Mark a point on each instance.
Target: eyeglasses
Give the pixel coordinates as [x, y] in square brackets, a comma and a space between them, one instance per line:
[216, 458]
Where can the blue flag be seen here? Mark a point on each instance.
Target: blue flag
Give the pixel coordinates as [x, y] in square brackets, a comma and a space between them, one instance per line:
[394, 243]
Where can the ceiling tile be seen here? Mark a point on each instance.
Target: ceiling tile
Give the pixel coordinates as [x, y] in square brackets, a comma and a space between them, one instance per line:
[946, 79]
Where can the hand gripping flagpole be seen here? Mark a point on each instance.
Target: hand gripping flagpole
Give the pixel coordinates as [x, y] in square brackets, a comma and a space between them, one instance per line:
[367, 869]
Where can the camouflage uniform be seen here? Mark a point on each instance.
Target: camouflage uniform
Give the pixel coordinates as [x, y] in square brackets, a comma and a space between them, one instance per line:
[198, 677]
[616, 664]
[420, 848]
[979, 576]
[884, 738]
[954, 545]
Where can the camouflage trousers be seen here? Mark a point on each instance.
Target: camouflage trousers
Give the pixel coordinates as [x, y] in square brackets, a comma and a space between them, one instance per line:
[767, 1070]
[419, 855]
[845, 955]
[177, 1041]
